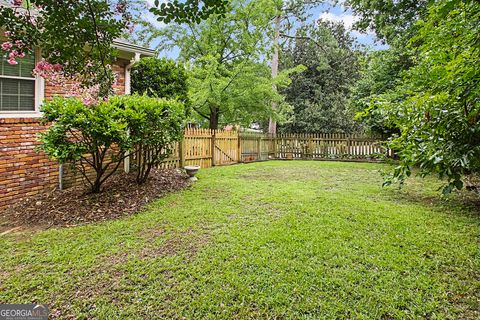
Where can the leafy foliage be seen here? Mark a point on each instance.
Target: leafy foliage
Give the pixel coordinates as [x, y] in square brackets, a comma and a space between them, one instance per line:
[228, 83]
[154, 125]
[90, 137]
[320, 94]
[76, 34]
[380, 74]
[393, 21]
[163, 78]
[100, 137]
[240, 93]
[439, 118]
[187, 11]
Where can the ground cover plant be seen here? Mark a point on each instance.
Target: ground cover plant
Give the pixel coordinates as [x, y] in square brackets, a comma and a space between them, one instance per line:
[291, 239]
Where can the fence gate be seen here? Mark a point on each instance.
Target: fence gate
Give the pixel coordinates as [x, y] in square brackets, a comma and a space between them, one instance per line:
[225, 145]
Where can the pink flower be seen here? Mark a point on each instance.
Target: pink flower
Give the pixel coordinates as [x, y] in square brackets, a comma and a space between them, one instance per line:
[17, 3]
[8, 34]
[12, 61]
[6, 46]
[13, 54]
[19, 43]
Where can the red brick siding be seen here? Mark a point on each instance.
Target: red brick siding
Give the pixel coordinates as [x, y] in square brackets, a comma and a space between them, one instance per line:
[23, 171]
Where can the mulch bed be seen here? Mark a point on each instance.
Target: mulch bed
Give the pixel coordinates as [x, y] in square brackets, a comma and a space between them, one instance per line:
[121, 196]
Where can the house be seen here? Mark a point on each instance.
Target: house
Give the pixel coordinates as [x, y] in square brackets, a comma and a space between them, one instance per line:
[23, 171]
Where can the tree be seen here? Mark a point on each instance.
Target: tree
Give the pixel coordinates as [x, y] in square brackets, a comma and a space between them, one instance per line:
[380, 73]
[394, 21]
[163, 78]
[439, 117]
[284, 13]
[240, 93]
[320, 94]
[224, 53]
[77, 35]
[74, 35]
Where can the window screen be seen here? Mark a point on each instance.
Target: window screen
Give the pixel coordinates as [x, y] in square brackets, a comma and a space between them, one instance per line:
[17, 84]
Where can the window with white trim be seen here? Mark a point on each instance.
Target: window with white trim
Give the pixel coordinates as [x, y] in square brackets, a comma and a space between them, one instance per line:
[17, 84]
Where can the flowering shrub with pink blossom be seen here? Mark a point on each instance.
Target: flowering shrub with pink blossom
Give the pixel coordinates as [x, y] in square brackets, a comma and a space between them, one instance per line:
[75, 39]
[54, 74]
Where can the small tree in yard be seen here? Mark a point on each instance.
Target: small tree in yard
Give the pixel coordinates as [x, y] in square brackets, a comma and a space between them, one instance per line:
[93, 137]
[154, 125]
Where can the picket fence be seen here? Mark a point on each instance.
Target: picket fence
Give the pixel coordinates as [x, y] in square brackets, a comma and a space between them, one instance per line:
[207, 148]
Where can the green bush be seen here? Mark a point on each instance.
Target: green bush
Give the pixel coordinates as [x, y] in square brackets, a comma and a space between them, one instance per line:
[154, 125]
[162, 78]
[100, 137]
[88, 136]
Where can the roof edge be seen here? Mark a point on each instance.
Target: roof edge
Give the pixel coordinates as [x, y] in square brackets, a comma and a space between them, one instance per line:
[130, 47]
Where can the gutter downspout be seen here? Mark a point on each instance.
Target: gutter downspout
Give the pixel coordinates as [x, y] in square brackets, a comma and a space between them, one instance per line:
[128, 87]
[128, 90]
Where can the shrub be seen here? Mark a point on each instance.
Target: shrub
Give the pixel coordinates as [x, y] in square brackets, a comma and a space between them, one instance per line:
[162, 78]
[89, 136]
[154, 125]
[100, 137]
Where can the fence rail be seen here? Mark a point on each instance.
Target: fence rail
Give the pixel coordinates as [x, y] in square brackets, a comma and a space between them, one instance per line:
[207, 148]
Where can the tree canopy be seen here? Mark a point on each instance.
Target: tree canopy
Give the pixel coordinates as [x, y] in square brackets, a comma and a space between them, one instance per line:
[434, 99]
[228, 80]
[163, 78]
[320, 94]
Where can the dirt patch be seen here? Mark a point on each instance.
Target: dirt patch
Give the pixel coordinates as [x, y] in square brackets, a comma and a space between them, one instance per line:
[121, 197]
[188, 242]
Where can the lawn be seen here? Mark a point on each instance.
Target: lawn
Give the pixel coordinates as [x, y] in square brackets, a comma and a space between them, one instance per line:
[291, 239]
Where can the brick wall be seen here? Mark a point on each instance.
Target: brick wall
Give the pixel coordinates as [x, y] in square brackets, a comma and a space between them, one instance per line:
[23, 171]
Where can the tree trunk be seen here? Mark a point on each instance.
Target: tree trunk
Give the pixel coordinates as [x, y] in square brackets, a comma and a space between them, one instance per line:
[272, 125]
[214, 113]
[97, 184]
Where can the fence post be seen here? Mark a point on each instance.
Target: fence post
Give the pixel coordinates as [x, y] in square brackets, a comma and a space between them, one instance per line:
[259, 148]
[213, 147]
[310, 147]
[239, 148]
[181, 152]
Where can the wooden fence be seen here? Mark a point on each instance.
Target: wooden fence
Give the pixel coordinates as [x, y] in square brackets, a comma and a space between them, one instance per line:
[258, 147]
[206, 148]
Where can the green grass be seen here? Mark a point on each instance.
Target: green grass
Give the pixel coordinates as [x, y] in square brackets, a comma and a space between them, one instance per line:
[296, 240]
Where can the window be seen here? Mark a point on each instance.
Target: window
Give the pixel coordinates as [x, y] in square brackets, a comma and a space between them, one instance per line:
[17, 84]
